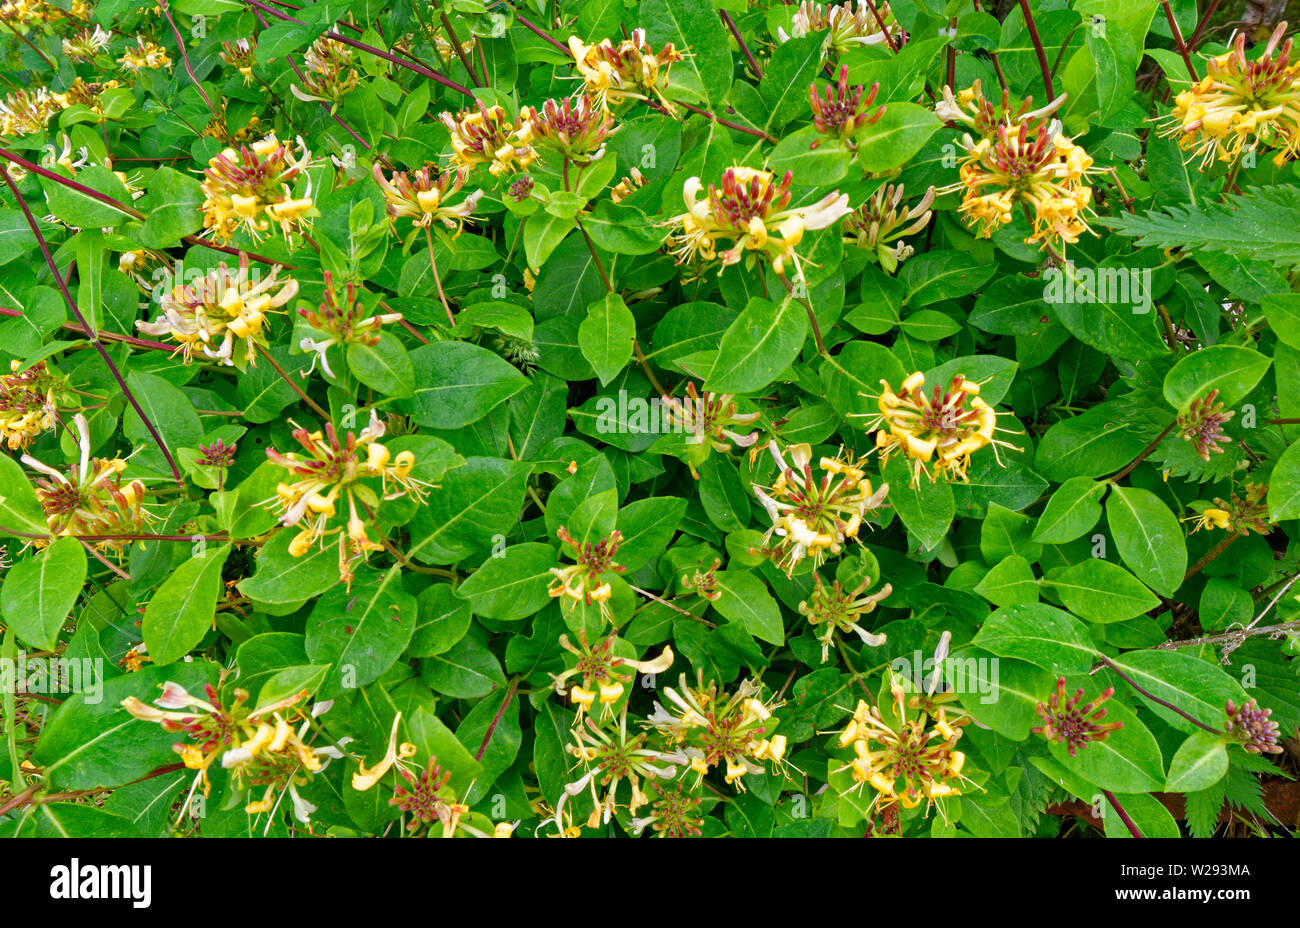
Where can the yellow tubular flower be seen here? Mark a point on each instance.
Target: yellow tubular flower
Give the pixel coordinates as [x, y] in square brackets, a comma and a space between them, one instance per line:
[613, 75]
[27, 404]
[937, 431]
[223, 309]
[751, 209]
[814, 516]
[486, 135]
[904, 759]
[332, 471]
[424, 196]
[1020, 160]
[1241, 105]
[250, 189]
[146, 55]
[24, 113]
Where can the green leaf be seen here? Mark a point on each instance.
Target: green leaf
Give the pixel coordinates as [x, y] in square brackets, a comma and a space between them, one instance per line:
[1232, 370]
[1200, 762]
[458, 384]
[384, 366]
[1039, 634]
[512, 585]
[744, 599]
[927, 509]
[1010, 582]
[606, 336]
[77, 209]
[759, 346]
[900, 134]
[1261, 222]
[1073, 509]
[20, 509]
[281, 578]
[1148, 537]
[1197, 687]
[182, 610]
[39, 592]
[174, 209]
[361, 631]
[1100, 591]
[1283, 486]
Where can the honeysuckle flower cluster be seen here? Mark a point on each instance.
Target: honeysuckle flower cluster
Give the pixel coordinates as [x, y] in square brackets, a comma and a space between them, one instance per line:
[713, 421]
[1250, 726]
[332, 471]
[89, 500]
[814, 515]
[1075, 726]
[704, 583]
[604, 675]
[249, 189]
[1241, 105]
[1019, 160]
[936, 430]
[632, 70]
[28, 403]
[144, 55]
[751, 211]
[707, 727]
[832, 608]
[241, 55]
[906, 755]
[327, 73]
[674, 812]
[89, 94]
[427, 797]
[610, 757]
[844, 110]
[487, 135]
[86, 44]
[584, 581]
[1241, 515]
[24, 112]
[577, 130]
[222, 311]
[1202, 425]
[847, 26]
[882, 222]
[424, 196]
[342, 319]
[259, 746]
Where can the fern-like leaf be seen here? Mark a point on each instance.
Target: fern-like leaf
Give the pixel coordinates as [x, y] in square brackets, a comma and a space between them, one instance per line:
[1263, 223]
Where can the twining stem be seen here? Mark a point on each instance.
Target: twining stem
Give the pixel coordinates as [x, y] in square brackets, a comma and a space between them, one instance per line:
[1155, 443]
[496, 719]
[1235, 637]
[881, 23]
[1156, 699]
[284, 375]
[437, 280]
[1123, 816]
[180, 44]
[1038, 49]
[107, 336]
[1178, 38]
[731, 24]
[1210, 10]
[370, 49]
[91, 333]
[1171, 335]
[455, 46]
[673, 606]
[812, 317]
